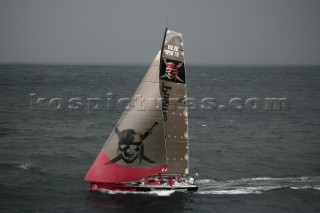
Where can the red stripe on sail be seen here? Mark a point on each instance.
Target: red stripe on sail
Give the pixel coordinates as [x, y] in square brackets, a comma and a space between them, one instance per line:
[115, 173]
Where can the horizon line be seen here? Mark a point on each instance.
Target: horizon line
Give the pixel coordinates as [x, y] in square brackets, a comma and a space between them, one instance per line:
[145, 64]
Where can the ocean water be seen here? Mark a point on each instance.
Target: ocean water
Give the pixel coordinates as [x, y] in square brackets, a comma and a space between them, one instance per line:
[251, 156]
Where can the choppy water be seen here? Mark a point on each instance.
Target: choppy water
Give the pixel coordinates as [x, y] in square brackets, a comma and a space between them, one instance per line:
[248, 160]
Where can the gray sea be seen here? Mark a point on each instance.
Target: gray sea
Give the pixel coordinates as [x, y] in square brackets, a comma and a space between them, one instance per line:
[254, 138]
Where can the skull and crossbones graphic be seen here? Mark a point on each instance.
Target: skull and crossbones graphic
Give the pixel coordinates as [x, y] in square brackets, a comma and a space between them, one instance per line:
[130, 145]
[172, 70]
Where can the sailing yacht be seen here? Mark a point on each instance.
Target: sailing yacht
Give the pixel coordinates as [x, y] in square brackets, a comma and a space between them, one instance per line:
[148, 148]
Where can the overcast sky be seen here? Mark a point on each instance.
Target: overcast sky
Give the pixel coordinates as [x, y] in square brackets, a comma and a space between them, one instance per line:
[118, 31]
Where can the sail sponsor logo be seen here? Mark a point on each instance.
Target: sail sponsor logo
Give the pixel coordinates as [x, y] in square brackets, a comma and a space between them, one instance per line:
[165, 99]
[172, 51]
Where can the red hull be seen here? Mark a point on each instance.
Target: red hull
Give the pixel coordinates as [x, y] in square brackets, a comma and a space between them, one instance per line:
[111, 186]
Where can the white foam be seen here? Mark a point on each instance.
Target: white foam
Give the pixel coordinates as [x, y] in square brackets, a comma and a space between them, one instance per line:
[239, 190]
[256, 185]
[25, 166]
[305, 187]
[205, 181]
[164, 193]
[301, 187]
[259, 178]
[283, 179]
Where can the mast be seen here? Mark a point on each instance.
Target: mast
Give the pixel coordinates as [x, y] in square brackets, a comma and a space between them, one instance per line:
[162, 46]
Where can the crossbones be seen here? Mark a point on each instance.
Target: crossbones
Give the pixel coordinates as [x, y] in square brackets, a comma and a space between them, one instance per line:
[172, 70]
[130, 145]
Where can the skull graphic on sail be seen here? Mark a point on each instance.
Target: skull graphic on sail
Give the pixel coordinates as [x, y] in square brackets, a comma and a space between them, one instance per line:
[171, 71]
[130, 145]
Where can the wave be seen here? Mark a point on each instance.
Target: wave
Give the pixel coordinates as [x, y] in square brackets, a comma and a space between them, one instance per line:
[257, 185]
[25, 166]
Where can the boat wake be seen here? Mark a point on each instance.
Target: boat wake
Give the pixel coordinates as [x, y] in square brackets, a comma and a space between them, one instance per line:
[256, 185]
[164, 193]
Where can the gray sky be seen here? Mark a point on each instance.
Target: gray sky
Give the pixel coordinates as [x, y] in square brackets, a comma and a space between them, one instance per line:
[118, 31]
